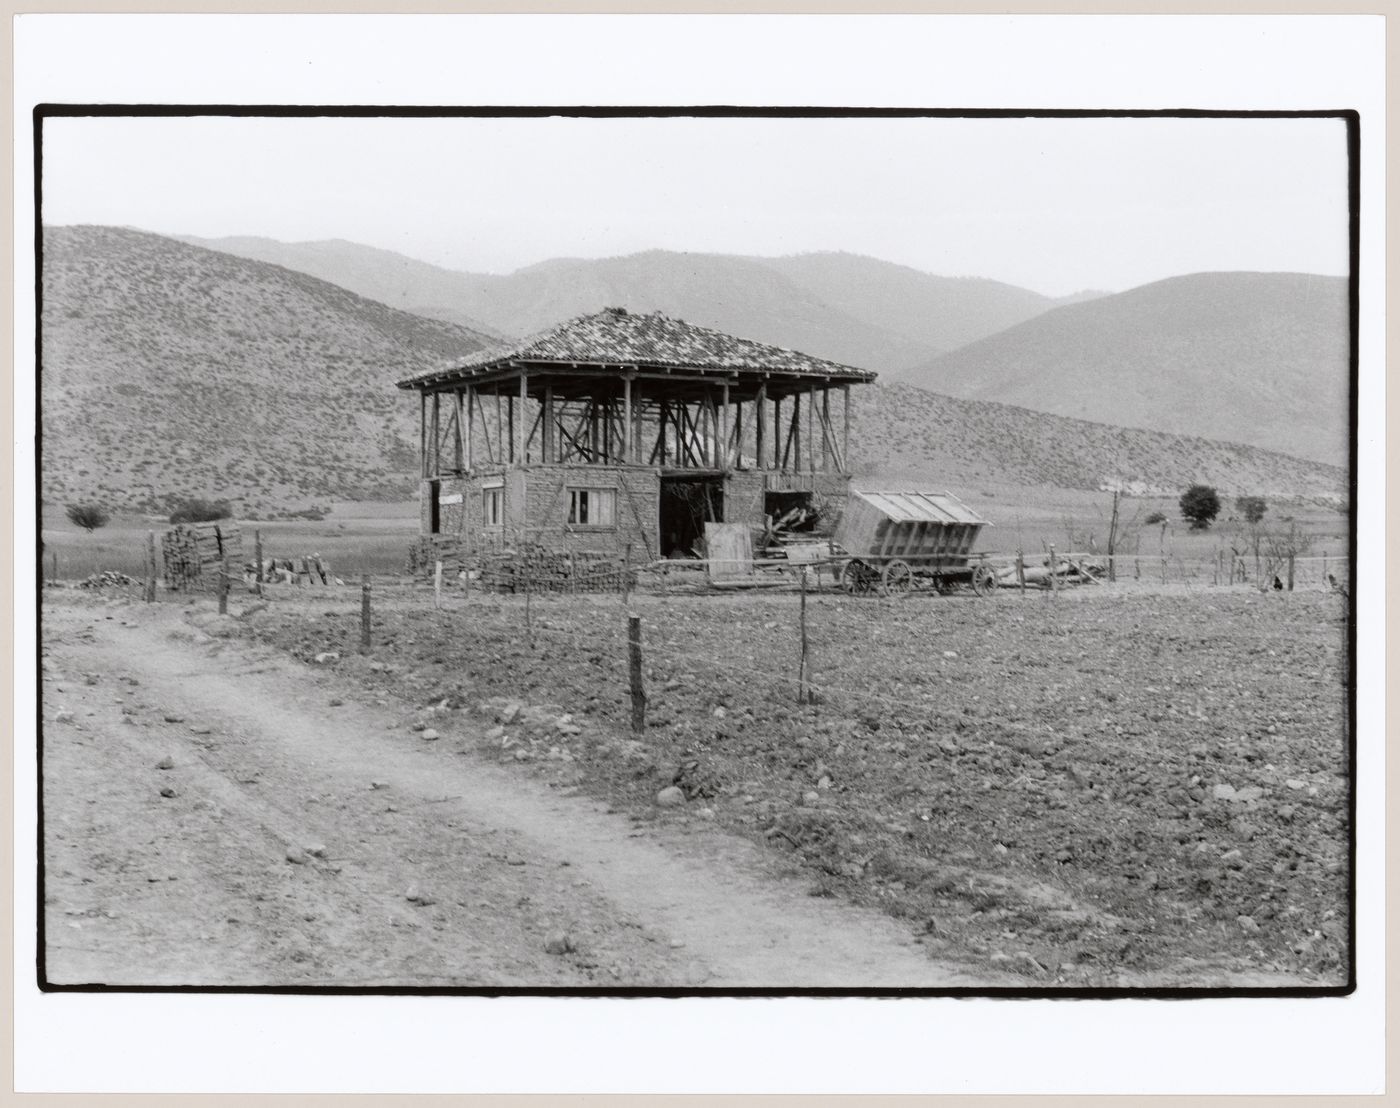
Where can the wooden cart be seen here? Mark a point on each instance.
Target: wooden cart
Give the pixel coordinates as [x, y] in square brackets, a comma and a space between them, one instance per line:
[898, 541]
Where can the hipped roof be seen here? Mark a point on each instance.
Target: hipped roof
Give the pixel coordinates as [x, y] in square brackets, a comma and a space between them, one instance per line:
[616, 338]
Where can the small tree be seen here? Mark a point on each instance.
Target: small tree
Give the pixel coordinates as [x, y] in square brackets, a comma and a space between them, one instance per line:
[1155, 518]
[1252, 508]
[1199, 505]
[87, 516]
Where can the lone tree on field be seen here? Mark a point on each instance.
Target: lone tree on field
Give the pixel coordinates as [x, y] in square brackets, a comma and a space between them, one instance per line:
[1200, 504]
[87, 516]
[1252, 508]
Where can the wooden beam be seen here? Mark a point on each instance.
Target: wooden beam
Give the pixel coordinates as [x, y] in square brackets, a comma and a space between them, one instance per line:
[471, 415]
[519, 421]
[436, 467]
[627, 430]
[550, 453]
[724, 424]
[458, 446]
[846, 430]
[422, 434]
[811, 444]
[760, 418]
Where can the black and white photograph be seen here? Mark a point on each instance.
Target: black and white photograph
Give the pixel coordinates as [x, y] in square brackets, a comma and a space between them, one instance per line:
[493, 549]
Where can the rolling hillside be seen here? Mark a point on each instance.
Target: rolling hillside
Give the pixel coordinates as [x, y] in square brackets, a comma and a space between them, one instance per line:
[1258, 358]
[170, 370]
[845, 307]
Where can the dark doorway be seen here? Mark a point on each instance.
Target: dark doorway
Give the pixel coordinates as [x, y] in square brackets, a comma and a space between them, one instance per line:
[687, 504]
[790, 511]
[434, 511]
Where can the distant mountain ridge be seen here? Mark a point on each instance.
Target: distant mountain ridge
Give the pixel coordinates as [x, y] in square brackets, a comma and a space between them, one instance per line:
[171, 370]
[1260, 358]
[846, 307]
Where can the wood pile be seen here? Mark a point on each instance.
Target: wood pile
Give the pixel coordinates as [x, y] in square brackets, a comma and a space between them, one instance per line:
[194, 554]
[533, 568]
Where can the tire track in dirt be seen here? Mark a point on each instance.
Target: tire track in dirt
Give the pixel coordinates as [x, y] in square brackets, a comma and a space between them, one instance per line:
[504, 862]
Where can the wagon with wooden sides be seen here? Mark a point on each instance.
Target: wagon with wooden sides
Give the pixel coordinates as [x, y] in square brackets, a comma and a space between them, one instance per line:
[894, 542]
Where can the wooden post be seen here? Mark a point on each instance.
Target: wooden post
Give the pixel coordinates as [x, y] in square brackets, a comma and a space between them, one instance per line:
[437, 583]
[423, 433]
[150, 566]
[803, 693]
[258, 554]
[777, 432]
[471, 418]
[364, 614]
[725, 423]
[1021, 572]
[811, 445]
[459, 433]
[634, 674]
[54, 578]
[436, 466]
[1290, 571]
[846, 427]
[627, 433]
[223, 587]
[760, 420]
[1054, 576]
[520, 458]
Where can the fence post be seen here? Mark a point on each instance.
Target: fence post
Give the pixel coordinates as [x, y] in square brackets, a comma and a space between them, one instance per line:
[1054, 576]
[803, 693]
[437, 583]
[257, 554]
[364, 615]
[1021, 572]
[1290, 571]
[150, 567]
[223, 587]
[634, 674]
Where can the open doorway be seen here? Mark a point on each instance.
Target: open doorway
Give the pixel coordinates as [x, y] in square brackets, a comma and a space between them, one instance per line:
[687, 504]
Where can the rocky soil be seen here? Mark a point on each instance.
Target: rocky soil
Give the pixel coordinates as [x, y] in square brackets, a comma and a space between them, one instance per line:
[1096, 789]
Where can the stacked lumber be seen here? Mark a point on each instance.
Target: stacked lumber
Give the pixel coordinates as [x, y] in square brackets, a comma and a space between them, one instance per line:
[536, 569]
[194, 554]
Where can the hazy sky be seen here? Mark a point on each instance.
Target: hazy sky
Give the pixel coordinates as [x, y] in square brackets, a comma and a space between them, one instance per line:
[1053, 205]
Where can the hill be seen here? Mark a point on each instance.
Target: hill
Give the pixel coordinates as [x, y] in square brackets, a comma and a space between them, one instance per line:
[845, 307]
[907, 432]
[170, 370]
[941, 313]
[1258, 358]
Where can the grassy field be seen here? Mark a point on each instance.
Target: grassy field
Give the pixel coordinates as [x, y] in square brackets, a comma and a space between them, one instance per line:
[374, 537]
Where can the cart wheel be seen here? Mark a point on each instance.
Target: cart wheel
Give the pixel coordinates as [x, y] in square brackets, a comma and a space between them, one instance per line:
[984, 580]
[896, 579]
[859, 579]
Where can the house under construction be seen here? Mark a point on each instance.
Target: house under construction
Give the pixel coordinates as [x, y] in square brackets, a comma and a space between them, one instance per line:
[625, 431]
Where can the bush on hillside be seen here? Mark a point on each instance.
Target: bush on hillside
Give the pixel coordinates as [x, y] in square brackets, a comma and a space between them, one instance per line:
[195, 510]
[1252, 508]
[87, 516]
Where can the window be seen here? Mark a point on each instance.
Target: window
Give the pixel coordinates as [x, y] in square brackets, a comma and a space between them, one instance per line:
[592, 507]
[491, 503]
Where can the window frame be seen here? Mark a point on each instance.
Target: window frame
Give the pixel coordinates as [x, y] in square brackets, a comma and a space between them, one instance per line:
[493, 491]
[571, 509]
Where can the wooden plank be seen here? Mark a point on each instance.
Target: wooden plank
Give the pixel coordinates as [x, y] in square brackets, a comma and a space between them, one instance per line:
[846, 431]
[459, 447]
[760, 419]
[724, 425]
[811, 415]
[627, 429]
[437, 437]
[550, 454]
[728, 549]
[519, 421]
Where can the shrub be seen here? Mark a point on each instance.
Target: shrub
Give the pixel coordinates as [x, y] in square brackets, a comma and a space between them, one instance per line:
[1154, 518]
[201, 511]
[1199, 504]
[1252, 508]
[87, 516]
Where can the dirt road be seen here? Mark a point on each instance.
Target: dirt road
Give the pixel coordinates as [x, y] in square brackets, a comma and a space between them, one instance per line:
[219, 814]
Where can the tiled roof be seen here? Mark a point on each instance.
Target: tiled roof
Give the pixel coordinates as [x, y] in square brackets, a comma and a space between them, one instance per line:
[616, 337]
